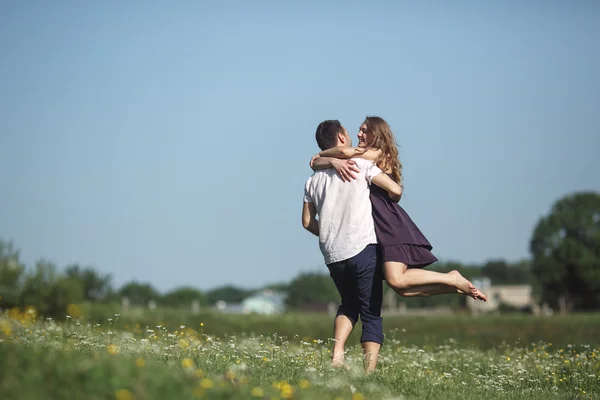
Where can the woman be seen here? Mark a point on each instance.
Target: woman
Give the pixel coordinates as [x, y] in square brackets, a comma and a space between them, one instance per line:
[403, 248]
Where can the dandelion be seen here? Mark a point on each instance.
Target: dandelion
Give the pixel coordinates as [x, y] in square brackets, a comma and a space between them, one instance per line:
[123, 394]
[187, 363]
[206, 383]
[112, 349]
[304, 384]
[286, 391]
[6, 327]
[257, 392]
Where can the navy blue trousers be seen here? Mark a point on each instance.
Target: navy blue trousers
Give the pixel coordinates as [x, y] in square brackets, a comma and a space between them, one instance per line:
[360, 284]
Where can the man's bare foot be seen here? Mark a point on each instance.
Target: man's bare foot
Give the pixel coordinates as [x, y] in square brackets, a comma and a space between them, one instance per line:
[339, 364]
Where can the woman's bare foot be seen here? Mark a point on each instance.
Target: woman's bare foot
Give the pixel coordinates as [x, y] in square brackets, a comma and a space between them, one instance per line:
[462, 284]
[465, 287]
[479, 295]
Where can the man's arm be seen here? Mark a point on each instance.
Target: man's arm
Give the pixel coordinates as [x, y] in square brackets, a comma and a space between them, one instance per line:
[309, 220]
[385, 182]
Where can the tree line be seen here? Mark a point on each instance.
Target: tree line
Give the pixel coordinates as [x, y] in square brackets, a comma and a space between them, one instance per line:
[564, 270]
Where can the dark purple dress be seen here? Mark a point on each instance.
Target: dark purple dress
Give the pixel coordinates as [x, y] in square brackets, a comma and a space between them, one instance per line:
[400, 240]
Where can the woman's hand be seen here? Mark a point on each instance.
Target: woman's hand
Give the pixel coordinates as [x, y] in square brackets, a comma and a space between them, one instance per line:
[345, 168]
[313, 159]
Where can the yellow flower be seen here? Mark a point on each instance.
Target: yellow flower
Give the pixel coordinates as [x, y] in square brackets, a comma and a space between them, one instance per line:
[73, 310]
[265, 359]
[123, 394]
[230, 375]
[140, 362]
[199, 373]
[201, 323]
[6, 327]
[112, 349]
[358, 396]
[304, 384]
[286, 391]
[184, 344]
[187, 363]
[206, 383]
[507, 358]
[257, 392]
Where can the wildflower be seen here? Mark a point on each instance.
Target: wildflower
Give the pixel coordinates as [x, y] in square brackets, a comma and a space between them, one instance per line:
[304, 384]
[201, 323]
[6, 327]
[358, 396]
[257, 392]
[199, 373]
[112, 349]
[123, 394]
[286, 391]
[187, 363]
[230, 375]
[140, 362]
[184, 344]
[74, 310]
[206, 383]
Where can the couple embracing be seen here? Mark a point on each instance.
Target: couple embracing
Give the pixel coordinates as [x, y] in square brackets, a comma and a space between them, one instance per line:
[364, 234]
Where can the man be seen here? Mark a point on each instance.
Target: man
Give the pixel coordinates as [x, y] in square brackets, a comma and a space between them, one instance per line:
[347, 240]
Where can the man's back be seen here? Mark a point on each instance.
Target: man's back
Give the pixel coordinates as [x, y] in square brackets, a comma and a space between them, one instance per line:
[344, 210]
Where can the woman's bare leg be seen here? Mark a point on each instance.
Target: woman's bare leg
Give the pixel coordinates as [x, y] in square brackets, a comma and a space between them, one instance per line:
[419, 282]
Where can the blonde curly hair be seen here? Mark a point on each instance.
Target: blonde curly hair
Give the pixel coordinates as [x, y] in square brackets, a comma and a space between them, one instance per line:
[383, 139]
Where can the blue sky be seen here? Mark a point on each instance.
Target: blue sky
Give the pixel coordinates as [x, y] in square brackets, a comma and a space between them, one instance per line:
[169, 142]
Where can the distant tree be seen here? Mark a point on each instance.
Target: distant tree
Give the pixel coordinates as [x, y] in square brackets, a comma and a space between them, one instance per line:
[48, 291]
[502, 273]
[277, 287]
[11, 272]
[228, 293]
[139, 293]
[95, 286]
[183, 297]
[566, 253]
[312, 287]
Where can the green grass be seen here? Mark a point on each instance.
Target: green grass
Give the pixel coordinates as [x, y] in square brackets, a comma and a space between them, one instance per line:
[483, 332]
[434, 358]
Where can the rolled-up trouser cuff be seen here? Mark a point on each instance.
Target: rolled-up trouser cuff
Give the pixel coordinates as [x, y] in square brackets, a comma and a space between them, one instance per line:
[372, 330]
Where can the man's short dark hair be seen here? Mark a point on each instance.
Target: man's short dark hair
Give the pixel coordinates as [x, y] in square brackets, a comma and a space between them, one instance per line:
[327, 132]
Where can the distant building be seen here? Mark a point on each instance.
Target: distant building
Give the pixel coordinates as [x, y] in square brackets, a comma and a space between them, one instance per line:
[229, 308]
[515, 296]
[266, 302]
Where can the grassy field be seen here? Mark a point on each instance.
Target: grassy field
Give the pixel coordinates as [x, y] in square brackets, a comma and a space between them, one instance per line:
[214, 356]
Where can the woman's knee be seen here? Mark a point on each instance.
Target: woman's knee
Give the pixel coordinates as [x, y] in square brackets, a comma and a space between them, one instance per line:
[396, 282]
